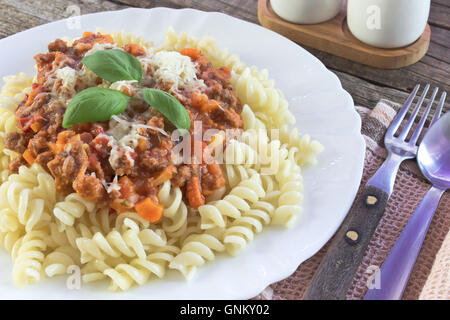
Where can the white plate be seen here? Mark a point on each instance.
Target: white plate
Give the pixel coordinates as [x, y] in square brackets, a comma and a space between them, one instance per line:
[321, 106]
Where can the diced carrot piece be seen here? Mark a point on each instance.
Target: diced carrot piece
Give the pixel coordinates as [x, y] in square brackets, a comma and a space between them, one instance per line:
[36, 126]
[198, 99]
[87, 34]
[191, 52]
[53, 147]
[103, 38]
[28, 157]
[149, 210]
[202, 102]
[210, 106]
[134, 49]
[108, 38]
[166, 174]
[194, 193]
[64, 137]
[36, 89]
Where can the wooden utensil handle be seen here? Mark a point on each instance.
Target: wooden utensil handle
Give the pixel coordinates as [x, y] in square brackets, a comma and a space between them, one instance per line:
[337, 269]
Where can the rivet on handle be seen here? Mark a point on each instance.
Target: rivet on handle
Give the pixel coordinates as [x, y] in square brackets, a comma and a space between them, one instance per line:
[371, 200]
[352, 236]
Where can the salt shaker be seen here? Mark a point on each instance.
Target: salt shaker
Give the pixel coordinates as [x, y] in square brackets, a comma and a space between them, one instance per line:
[387, 23]
[306, 11]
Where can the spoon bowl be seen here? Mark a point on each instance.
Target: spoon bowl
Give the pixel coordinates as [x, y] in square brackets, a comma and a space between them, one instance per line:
[433, 156]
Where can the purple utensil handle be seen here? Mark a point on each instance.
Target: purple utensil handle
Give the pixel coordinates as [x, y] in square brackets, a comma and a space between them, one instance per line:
[397, 267]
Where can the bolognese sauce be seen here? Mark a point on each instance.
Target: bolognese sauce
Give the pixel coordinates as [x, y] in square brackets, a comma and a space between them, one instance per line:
[121, 163]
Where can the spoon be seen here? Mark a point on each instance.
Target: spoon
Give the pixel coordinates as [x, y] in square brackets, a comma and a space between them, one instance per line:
[433, 158]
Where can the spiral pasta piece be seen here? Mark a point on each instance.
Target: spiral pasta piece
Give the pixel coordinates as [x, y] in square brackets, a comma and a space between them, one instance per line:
[175, 210]
[233, 204]
[100, 220]
[45, 188]
[242, 230]
[271, 188]
[305, 150]
[235, 174]
[28, 255]
[9, 238]
[196, 250]
[4, 160]
[57, 262]
[72, 233]
[12, 93]
[119, 220]
[15, 84]
[240, 153]
[262, 99]
[251, 121]
[8, 220]
[130, 242]
[20, 204]
[139, 270]
[73, 207]
[291, 186]
[28, 175]
[93, 270]
[114, 244]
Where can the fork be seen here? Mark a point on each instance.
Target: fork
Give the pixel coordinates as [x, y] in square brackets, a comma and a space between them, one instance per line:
[337, 269]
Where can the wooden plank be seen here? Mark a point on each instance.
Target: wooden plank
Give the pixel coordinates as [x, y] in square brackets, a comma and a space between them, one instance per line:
[445, 3]
[440, 36]
[13, 20]
[16, 16]
[245, 10]
[439, 15]
[368, 94]
[403, 79]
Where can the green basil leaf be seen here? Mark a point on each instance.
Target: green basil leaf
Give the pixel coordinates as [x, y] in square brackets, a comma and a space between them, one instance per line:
[95, 104]
[170, 107]
[114, 65]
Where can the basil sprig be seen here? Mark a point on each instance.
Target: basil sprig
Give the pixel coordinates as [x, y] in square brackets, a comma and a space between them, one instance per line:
[95, 104]
[99, 104]
[114, 65]
[170, 107]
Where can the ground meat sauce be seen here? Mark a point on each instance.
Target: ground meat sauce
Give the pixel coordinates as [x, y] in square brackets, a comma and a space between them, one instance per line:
[79, 158]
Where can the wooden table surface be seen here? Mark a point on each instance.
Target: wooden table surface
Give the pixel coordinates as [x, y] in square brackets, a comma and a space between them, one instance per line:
[366, 84]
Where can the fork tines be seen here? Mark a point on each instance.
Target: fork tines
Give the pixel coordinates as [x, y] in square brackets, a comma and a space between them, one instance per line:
[405, 132]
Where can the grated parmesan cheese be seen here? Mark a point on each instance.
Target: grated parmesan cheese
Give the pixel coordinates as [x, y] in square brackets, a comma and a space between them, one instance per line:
[100, 46]
[171, 67]
[68, 77]
[126, 86]
[113, 186]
